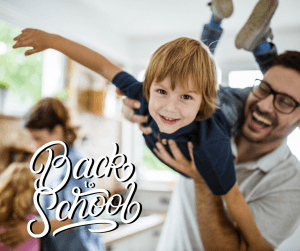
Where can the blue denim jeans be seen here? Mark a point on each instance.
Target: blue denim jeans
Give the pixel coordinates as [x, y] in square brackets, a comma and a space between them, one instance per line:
[211, 36]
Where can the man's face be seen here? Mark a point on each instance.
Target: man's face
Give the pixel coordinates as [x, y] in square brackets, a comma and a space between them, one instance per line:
[173, 109]
[263, 123]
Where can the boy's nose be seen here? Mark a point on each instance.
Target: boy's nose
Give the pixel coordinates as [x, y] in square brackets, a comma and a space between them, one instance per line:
[171, 105]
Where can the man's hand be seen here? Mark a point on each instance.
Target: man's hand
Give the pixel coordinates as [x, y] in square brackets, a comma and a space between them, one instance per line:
[37, 39]
[15, 235]
[179, 161]
[127, 110]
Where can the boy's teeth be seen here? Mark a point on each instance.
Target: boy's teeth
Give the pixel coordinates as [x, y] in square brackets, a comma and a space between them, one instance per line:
[261, 119]
[166, 118]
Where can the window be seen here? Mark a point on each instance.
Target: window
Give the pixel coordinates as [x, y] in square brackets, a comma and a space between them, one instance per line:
[22, 75]
[242, 79]
[27, 78]
[54, 74]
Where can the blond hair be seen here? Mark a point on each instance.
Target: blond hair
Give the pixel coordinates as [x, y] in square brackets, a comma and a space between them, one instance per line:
[16, 192]
[182, 60]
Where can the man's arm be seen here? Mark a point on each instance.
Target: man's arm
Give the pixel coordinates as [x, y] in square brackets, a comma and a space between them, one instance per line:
[41, 41]
[240, 212]
[245, 236]
[216, 230]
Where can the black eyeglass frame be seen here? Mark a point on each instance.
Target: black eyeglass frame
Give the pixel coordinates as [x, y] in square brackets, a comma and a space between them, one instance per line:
[275, 94]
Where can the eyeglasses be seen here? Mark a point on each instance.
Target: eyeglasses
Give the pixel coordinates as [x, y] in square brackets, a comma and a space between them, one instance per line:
[282, 102]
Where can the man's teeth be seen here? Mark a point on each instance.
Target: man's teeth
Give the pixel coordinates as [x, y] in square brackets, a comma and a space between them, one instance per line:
[261, 119]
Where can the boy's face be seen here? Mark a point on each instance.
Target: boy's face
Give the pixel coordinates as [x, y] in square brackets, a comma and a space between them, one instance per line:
[173, 109]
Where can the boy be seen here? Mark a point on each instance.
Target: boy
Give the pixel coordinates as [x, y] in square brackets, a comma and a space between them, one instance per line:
[179, 97]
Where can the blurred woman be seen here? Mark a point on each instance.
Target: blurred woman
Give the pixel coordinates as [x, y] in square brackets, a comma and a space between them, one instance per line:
[47, 121]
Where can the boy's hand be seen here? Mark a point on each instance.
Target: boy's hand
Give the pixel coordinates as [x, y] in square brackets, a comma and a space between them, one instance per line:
[179, 161]
[37, 39]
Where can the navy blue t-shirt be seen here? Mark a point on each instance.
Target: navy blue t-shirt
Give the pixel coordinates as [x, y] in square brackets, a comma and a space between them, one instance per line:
[211, 140]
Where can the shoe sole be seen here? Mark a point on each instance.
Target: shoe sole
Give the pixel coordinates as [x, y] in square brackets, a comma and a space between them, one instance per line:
[224, 8]
[256, 23]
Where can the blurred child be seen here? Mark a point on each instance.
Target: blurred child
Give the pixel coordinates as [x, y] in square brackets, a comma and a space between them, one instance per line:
[178, 95]
[16, 201]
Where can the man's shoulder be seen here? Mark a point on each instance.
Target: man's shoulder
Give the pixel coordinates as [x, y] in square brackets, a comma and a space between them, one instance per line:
[291, 170]
[237, 93]
[231, 102]
[285, 176]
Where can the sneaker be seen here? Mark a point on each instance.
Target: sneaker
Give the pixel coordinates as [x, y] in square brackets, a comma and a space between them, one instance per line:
[257, 28]
[221, 8]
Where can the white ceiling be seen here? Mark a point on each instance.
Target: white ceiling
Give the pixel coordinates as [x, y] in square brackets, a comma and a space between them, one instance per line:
[159, 17]
[141, 17]
[102, 24]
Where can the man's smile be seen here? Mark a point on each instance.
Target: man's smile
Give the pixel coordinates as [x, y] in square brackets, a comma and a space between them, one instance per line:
[168, 120]
[260, 122]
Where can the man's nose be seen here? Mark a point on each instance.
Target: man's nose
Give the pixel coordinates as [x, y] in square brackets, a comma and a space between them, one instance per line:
[266, 104]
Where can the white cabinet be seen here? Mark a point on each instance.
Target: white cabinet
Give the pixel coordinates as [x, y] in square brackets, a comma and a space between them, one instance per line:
[140, 235]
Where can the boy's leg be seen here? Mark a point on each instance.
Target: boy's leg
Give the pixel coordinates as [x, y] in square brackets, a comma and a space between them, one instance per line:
[266, 58]
[221, 8]
[212, 31]
[255, 33]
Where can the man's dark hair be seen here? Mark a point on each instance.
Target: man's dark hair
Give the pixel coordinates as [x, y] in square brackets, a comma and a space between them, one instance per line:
[288, 59]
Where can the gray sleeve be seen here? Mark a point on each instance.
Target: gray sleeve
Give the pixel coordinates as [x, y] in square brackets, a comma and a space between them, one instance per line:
[277, 212]
[231, 101]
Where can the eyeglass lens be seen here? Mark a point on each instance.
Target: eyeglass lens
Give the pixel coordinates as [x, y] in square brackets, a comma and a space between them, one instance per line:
[282, 102]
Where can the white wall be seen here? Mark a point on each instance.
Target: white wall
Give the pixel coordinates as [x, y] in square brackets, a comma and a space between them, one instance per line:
[129, 31]
[72, 19]
[227, 56]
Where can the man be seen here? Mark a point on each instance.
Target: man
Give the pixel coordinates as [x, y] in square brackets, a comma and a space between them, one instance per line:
[267, 172]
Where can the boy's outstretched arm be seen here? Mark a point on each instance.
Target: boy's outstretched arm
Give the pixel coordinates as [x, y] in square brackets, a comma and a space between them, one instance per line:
[41, 41]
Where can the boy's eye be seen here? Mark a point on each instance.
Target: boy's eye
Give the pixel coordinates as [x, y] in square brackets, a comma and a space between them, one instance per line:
[161, 91]
[186, 97]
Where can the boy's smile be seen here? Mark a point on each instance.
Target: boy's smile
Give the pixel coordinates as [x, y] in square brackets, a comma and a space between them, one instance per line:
[173, 109]
[170, 121]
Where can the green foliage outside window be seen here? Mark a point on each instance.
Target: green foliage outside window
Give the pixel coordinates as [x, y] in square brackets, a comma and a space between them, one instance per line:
[22, 75]
[152, 162]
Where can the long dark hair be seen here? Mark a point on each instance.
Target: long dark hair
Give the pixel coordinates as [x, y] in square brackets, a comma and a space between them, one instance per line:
[46, 114]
